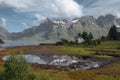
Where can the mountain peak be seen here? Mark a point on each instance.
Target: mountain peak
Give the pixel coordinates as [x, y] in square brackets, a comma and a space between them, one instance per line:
[106, 21]
[54, 29]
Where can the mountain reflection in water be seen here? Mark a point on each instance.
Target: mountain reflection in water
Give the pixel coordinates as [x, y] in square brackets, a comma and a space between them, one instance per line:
[59, 60]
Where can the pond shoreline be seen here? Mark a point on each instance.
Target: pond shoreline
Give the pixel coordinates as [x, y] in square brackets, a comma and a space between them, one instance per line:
[65, 62]
[45, 50]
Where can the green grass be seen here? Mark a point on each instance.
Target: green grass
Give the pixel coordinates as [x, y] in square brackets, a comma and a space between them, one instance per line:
[110, 45]
[110, 72]
[86, 50]
[70, 50]
[106, 77]
[103, 56]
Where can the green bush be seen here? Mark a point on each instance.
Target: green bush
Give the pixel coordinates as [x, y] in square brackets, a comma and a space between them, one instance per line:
[17, 68]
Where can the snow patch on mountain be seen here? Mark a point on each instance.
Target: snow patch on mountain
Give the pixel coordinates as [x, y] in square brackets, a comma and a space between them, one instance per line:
[74, 21]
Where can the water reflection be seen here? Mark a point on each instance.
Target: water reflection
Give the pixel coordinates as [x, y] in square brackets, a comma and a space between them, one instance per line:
[60, 60]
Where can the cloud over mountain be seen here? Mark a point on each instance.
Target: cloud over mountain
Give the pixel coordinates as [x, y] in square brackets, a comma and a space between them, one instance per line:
[33, 12]
[48, 8]
[100, 7]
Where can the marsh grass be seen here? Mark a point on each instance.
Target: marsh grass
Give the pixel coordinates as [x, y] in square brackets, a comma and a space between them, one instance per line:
[103, 56]
[70, 50]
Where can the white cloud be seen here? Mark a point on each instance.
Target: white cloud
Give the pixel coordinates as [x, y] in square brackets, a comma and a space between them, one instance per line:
[25, 24]
[48, 8]
[39, 19]
[100, 7]
[68, 8]
[4, 21]
[117, 14]
[18, 4]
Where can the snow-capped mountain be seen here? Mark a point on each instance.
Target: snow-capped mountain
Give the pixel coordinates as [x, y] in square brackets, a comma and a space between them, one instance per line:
[55, 29]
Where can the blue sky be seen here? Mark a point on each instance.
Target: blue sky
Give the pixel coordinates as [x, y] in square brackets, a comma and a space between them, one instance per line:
[17, 15]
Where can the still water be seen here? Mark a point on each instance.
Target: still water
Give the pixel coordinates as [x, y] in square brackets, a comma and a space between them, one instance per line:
[18, 43]
[60, 60]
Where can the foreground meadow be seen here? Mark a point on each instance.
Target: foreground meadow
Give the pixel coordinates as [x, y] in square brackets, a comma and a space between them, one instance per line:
[108, 72]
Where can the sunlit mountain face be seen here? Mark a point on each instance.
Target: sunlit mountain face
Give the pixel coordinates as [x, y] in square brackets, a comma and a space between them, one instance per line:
[17, 15]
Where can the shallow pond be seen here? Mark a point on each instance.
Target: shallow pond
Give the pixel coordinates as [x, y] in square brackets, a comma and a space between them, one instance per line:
[71, 62]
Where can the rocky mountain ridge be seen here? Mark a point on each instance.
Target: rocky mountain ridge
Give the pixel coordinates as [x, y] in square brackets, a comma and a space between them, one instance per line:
[55, 29]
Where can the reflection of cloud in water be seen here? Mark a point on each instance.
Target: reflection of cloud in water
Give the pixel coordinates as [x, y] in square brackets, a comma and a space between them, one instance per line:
[60, 60]
[34, 59]
[50, 60]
